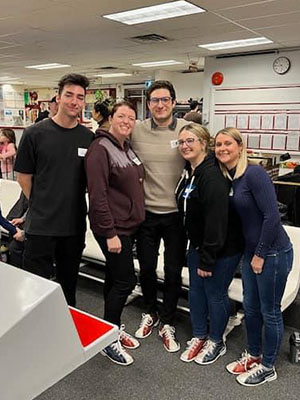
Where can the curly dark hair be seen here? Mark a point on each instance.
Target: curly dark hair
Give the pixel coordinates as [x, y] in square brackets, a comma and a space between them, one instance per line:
[103, 107]
[161, 85]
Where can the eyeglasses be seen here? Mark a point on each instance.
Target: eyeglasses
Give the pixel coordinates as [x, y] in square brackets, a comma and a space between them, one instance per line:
[164, 100]
[189, 142]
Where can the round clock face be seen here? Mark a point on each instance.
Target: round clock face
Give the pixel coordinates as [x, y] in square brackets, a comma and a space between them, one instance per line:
[281, 65]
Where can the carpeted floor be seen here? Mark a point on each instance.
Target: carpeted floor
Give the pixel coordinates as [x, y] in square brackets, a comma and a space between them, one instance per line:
[158, 375]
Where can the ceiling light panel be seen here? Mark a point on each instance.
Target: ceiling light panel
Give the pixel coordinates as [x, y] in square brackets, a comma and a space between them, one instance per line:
[155, 13]
[157, 63]
[236, 43]
[7, 78]
[115, 75]
[48, 66]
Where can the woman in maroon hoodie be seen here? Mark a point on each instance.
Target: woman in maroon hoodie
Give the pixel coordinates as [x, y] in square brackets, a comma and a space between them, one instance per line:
[116, 208]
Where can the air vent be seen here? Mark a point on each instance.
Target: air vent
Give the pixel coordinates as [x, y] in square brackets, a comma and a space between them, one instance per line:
[151, 38]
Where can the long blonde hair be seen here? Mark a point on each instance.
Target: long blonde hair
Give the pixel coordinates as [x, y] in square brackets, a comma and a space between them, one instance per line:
[243, 160]
[201, 132]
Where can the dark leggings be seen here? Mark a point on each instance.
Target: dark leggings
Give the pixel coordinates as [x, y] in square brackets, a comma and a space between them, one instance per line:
[120, 278]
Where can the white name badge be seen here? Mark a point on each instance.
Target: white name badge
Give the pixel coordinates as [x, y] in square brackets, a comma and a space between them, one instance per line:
[81, 152]
[174, 144]
[136, 161]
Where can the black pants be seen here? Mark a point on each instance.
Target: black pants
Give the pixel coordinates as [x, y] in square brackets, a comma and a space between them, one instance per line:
[40, 253]
[120, 278]
[169, 228]
[16, 250]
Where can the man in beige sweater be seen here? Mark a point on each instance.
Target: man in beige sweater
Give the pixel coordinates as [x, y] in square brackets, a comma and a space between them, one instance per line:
[155, 142]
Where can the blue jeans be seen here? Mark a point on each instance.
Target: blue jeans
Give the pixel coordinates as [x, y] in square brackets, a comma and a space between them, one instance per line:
[262, 300]
[208, 297]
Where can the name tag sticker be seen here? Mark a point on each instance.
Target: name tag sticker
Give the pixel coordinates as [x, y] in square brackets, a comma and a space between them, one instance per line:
[136, 161]
[174, 144]
[81, 152]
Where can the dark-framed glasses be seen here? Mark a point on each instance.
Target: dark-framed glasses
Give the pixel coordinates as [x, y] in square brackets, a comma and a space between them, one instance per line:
[164, 100]
[189, 142]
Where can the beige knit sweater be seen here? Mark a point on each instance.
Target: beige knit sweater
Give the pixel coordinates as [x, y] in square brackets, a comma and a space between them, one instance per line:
[162, 162]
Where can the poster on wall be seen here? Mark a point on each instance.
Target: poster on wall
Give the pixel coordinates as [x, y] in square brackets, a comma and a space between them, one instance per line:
[279, 142]
[254, 121]
[267, 122]
[253, 141]
[242, 121]
[294, 122]
[8, 116]
[266, 141]
[280, 122]
[230, 121]
[292, 142]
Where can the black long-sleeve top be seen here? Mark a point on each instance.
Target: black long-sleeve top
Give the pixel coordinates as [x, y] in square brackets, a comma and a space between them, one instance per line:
[211, 224]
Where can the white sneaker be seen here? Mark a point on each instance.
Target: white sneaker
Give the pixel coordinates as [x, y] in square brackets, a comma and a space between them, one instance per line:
[116, 353]
[167, 333]
[194, 346]
[147, 324]
[127, 341]
[210, 352]
[243, 364]
[257, 376]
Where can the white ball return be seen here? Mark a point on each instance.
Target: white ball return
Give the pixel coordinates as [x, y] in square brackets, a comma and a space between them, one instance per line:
[41, 338]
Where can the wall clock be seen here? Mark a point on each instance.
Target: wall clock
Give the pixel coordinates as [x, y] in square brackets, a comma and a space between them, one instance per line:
[281, 65]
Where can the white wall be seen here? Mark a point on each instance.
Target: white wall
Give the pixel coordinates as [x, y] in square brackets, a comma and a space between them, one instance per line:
[247, 71]
[186, 85]
[43, 93]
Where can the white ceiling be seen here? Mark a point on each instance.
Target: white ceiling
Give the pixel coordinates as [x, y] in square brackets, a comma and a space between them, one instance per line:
[74, 32]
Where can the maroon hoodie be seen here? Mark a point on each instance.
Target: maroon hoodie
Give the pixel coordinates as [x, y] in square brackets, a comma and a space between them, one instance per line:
[115, 186]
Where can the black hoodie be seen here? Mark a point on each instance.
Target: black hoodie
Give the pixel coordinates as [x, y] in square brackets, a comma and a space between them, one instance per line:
[203, 201]
[115, 186]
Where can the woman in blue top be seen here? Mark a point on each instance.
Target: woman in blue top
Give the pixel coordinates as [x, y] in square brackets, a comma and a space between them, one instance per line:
[267, 260]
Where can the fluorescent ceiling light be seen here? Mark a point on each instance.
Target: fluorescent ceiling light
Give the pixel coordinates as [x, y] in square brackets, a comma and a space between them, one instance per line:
[236, 43]
[154, 13]
[48, 66]
[114, 75]
[7, 78]
[157, 63]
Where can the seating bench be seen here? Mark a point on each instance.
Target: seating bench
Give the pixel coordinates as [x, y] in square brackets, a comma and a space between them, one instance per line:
[10, 191]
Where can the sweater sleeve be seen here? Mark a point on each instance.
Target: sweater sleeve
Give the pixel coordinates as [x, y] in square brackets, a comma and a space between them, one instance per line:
[98, 170]
[263, 192]
[7, 225]
[215, 211]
